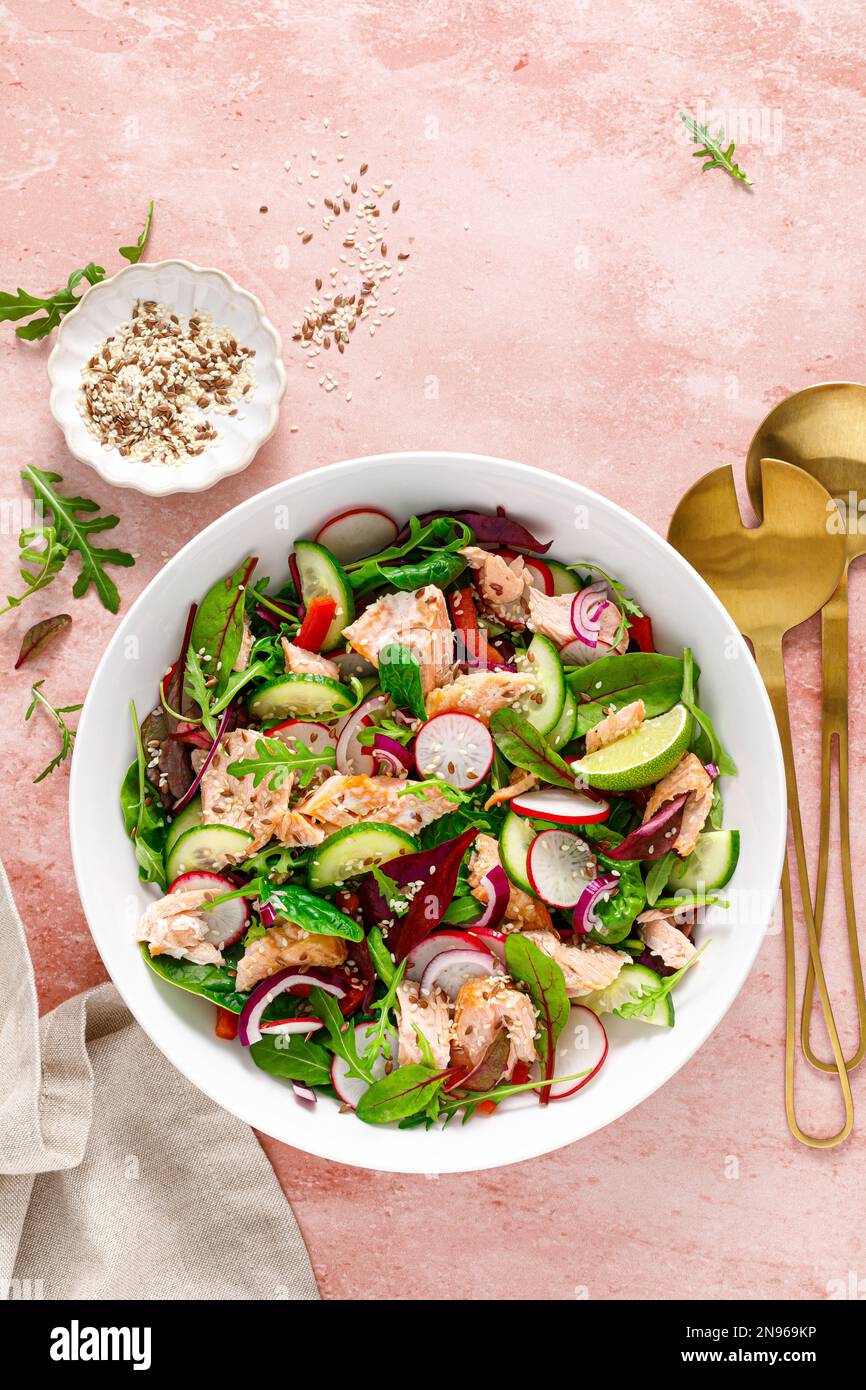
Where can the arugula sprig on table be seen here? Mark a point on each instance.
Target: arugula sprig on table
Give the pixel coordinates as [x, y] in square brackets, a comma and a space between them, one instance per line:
[712, 149]
[67, 735]
[46, 311]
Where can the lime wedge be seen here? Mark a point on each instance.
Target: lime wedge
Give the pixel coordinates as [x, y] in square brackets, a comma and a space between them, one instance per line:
[640, 758]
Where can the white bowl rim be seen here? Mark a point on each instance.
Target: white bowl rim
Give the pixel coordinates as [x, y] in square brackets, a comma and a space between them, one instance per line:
[148, 482]
[777, 835]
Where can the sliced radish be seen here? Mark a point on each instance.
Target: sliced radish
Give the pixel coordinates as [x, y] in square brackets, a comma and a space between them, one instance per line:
[581, 1046]
[456, 747]
[313, 736]
[433, 946]
[352, 756]
[285, 1026]
[227, 922]
[356, 533]
[491, 939]
[560, 866]
[284, 981]
[541, 576]
[451, 969]
[351, 1088]
[561, 807]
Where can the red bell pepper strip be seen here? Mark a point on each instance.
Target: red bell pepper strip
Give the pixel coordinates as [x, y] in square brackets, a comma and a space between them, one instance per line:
[464, 615]
[226, 1023]
[640, 630]
[317, 620]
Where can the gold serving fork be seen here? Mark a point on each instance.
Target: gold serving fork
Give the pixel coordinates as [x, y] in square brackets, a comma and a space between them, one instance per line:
[760, 576]
[823, 430]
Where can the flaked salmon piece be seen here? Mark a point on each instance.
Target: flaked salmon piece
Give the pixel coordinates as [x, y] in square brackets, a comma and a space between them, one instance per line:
[480, 693]
[526, 782]
[176, 926]
[585, 968]
[300, 662]
[236, 801]
[417, 620]
[616, 724]
[690, 776]
[428, 1013]
[551, 616]
[522, 911]
[503, 585]
[287, 944]
[344, 800]
[665, 939]
[242, 660]
[483, 1006]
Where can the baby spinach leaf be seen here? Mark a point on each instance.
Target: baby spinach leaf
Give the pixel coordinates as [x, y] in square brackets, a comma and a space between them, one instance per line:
[707, 745]
[525, 747]
[658, 875]
[441, 570]
[143, 815]
[219, 623]
[294, 1057]
[306, 910]
[619, 680]
[441, 535]
[403, 1092]
[400, 677]
[214, 982]
[546, 983]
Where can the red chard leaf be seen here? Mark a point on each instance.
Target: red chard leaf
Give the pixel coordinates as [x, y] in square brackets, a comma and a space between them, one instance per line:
[436, 870]
[39, 635]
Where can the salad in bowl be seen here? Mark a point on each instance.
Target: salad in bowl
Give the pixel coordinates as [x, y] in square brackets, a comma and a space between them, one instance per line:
[423, 812]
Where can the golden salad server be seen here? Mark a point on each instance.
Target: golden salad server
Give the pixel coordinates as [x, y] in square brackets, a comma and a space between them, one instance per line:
[823, 430]
[759, 575]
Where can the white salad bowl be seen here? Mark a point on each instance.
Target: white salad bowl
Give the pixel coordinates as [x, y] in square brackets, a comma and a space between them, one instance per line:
[582, 526]
[186, 287]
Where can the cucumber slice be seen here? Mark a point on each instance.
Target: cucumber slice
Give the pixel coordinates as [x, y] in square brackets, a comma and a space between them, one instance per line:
[630, 984]
[185, 820]
[322, 574]
[516, 836]
[544, 664]
[711, 863]
[300, 697]
[564, 582]
[354, 850]
[206, 847]
[565, 728]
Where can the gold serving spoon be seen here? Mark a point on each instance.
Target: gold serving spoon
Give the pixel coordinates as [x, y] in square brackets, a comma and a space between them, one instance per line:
[823, 430]
[760, 576]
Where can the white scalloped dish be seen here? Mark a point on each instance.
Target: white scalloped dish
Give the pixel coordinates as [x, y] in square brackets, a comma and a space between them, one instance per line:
[187, 288]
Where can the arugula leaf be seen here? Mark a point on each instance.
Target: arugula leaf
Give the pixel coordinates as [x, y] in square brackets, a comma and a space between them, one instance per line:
[74, 523]
[133, 253]
[400, 677]
[398, 732]
[294, 1057]
[67, 735]
[39, 635]
[390, 891]
[274, 862]
[306, 910]
[218, 629]
[40, 560]
[22, 305]
[442, 535]
[658, 875]
[435, 784]
[403, 1092]
[546, 983]
[142, 814]
[341, 1034]
[525, 747]
[383, 1030]
[716, 753]
[712, 149]
[380, 955]
[276, 760]
[619, 680]
[198, 690]
[646, 1002]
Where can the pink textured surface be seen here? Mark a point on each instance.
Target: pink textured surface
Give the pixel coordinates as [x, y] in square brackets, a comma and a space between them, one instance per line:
[578, 297]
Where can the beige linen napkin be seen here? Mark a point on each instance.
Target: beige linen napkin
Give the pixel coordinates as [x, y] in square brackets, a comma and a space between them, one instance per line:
[118, 1178]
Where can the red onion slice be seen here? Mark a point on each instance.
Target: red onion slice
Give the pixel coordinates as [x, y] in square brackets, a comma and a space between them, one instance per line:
[585, 917]
[208, 759]
[586, 611]
[392, 754]
[267, 915]
[304, 1094]
[497, 890]
[269, 989]
[711, 770]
